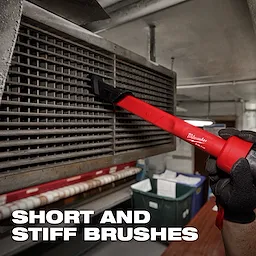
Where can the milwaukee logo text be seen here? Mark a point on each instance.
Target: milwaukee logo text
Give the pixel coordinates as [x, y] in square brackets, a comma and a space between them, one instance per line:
[192, 137]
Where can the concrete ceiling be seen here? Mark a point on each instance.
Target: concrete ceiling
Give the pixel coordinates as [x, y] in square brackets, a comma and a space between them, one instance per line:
[211, 41]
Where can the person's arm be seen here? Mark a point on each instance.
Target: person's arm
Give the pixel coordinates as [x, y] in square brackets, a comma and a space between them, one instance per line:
[239, 239]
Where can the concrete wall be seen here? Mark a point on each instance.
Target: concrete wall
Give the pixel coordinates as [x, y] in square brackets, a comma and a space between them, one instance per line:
[181, 160]
[249, 117]
[156, 164]
[250, 120]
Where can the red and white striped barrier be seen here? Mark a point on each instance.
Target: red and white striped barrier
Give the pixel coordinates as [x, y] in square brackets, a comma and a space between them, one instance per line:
[45, 198]
[39, 189]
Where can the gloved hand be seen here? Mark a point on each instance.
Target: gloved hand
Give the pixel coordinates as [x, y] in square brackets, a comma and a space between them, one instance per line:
[235, 192]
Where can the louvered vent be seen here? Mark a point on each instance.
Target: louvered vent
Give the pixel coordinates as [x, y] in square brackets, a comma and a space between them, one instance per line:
[47, 114]
[131, 131]
[48, 117]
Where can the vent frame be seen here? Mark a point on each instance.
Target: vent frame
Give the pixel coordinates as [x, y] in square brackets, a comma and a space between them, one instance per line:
[113, 129]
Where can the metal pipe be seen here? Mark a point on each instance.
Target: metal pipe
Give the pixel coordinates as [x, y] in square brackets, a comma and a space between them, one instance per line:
[172, 63]
[152, 42]
[209, 100]
[206, 101]
[238, 82]
[132, 12]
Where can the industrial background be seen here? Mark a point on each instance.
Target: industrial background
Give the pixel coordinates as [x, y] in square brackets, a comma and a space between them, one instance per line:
[194, 58]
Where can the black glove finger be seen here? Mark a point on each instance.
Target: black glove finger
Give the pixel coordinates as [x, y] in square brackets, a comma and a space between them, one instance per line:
[215, 174]
[227, 133]
[241, 176]
[210, 166]
[214, 179]
[222, 190]
[212, 170]
[248, 136]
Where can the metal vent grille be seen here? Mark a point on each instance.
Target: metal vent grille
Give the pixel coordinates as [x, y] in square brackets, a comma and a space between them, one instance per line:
[51, 127]
[131, 131]
[47, 115]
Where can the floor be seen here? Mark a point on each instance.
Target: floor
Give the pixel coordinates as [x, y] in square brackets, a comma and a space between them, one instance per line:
[127, 249]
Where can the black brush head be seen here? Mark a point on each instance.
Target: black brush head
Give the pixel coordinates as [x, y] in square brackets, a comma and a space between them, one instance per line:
[105, 91]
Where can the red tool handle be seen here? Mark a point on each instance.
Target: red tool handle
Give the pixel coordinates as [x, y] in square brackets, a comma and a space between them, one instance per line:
[227, 152]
